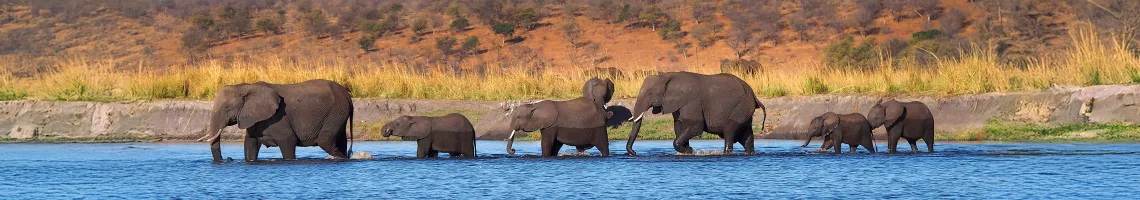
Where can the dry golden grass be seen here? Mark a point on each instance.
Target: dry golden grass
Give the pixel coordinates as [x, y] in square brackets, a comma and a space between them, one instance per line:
[1089, 62]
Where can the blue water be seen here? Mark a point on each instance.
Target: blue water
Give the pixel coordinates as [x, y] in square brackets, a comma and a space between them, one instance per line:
[781, 170]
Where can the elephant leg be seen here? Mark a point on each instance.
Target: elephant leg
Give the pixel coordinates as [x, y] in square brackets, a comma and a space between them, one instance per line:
[893, 141]
[913, 145]
[288, 147]
[730, 137]
[331, 147]
[928, 137]
[869, 144]
[548, 142]
[603, 144]
[684, 134]
[432, 154]
[252, 146]
[555, 148]
[582, 149]
[454, 154]
[422, 148]
[747, 139]
[852, 147]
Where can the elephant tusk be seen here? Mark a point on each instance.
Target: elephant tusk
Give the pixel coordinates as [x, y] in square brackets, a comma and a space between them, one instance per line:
[638, 118]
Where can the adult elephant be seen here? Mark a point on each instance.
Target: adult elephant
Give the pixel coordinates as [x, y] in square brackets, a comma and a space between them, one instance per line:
[310, 113]
[909, 120]
[851, 129]
[721, 104]
[578, 122]
[451, 133]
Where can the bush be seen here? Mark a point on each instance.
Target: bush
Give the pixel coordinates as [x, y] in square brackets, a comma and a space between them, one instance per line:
[814, 85]
[740, 66]
[419, 26]
[268, 24]
[924, 35]
[195, 40]
[470, 44]
[846, 56]
[365, 42]
[444, 44]
[460, 24]
[505, 29]
[315, 23]
[1135, 76]
[775, 92]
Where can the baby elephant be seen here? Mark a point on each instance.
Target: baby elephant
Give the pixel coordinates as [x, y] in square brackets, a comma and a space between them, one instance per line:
[451, 133]
[852, 129]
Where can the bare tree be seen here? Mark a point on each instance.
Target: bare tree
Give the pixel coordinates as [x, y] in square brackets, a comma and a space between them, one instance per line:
[703, 12]
[864, 15]
[951, 22]
[925, 8]
[572, 33]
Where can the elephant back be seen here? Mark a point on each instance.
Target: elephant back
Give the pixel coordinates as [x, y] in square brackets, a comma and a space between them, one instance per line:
[727, 98]
[579, 113]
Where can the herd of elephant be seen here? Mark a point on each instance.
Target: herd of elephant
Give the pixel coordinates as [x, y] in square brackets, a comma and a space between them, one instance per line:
[316, 113]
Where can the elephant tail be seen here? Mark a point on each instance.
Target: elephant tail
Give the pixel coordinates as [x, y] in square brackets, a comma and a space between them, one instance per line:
[764, 118]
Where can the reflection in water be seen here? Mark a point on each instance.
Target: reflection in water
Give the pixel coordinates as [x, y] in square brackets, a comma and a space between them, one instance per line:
[780, 169]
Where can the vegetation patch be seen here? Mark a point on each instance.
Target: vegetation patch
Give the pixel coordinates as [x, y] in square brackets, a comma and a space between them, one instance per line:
[1010, 131]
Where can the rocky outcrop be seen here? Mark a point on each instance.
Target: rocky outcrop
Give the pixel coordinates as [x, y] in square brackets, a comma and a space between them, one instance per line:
[788, 117]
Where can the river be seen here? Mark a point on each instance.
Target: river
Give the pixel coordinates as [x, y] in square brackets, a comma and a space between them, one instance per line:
[781, 169]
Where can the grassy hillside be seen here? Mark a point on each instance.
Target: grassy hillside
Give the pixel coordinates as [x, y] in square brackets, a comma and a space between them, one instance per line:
[158, 49]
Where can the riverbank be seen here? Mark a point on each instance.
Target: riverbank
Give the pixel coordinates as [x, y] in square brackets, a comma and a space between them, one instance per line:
[1097, 113]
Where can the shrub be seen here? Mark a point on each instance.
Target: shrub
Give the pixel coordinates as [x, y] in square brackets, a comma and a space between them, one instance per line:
[924, 35]
[419, 26]
[844, 55]
[1135, 76]
[740, 67]
[315, 23]
[460, 24]
[775, 92]
[505, 29]
[470, 44]
[444, 44]
[814, 85]
[267, 24]
[365, 42]
[1092, 77]
[195, 40]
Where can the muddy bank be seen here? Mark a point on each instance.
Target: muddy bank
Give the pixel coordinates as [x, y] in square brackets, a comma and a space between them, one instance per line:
[185, 120]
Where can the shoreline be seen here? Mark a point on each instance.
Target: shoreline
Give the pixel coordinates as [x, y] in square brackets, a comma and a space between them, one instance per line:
[1097, 111]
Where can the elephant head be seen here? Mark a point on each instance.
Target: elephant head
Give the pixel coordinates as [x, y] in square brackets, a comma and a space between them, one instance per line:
[599, 91]
[408, 127]
[662, 93]
[242, 104]
[529, 118]
[823, 126]
[886, 113]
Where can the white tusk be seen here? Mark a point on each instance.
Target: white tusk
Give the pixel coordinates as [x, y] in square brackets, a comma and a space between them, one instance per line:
[639, 116]
[512, 135]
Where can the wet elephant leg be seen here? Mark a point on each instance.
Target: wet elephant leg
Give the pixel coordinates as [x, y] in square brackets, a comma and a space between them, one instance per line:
[913, 145]
[684, 132]
[582, 149]
[730, 137]
[556, 147]
[869, 144]
[602, 141]
[893, 136]
[852, 147]
[252, 146]
[928, 137]
[548, 142]
[747, 139]
[288, 147]
[454, 154]
[432, 154]
[423, 146]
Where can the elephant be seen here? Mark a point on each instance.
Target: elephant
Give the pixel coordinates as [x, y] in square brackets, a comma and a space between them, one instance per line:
[310, 113]
[579, 122]
[851, 129]
[721, 104]
[910, 120]
[451, 133]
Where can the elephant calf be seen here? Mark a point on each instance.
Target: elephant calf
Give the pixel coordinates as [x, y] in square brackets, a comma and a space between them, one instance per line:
[451, 133]
[578, 122]
[852, 129]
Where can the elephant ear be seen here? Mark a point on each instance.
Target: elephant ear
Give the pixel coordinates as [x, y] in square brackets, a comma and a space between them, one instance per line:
[259, 102]
[830, 124]
[419, 128]
[595, 90]
[679, 91]
[894, 114]
[609, 90]
[542, 115]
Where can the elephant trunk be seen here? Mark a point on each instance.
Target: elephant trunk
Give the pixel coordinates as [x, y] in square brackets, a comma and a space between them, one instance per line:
[806, 142]
[510, 143]
[632, 138]
[214, 134]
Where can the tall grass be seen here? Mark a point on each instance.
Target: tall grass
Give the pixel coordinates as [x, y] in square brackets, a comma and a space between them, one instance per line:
[1089, 61]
